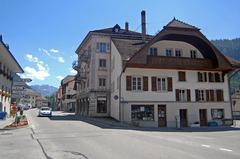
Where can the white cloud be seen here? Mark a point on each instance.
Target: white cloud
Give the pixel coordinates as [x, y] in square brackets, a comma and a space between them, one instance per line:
[41, 73]
[60, 59]
[54, 50]
[59, 77]
[31, 58]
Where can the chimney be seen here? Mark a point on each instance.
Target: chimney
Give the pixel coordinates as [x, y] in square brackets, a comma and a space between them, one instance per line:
[126, 26]
[143, 16]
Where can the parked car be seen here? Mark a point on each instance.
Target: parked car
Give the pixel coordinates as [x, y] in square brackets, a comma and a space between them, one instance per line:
[45, 111]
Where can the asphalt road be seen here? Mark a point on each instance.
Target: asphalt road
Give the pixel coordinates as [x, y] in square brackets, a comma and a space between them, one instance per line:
[63, 137]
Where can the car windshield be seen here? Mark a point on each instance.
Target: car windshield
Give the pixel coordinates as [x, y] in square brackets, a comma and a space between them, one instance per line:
[45, 108]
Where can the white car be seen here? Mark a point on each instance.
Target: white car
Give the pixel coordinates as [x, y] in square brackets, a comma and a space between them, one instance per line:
[45, 111]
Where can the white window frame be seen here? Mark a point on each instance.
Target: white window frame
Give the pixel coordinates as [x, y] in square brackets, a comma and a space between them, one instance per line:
[202, 95]
[160, 88]
[166, 51]
[152, 51]
[193, 52]
[135, 87]
[183, 95]
[179, 51]
[101, 82]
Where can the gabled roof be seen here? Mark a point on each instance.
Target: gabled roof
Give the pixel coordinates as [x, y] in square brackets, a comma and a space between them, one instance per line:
[127, 47]
[175, 23]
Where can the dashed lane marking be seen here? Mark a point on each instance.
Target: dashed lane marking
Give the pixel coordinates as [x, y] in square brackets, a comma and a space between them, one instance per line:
[223, 149]
[205, 145]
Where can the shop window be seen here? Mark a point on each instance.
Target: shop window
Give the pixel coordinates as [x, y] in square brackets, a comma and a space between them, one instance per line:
[143, 112]
[217, 113]
[101, 105]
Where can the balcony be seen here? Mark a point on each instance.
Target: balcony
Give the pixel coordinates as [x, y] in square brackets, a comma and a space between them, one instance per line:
[179, 62]
[81, 76]
[85, 56]
[76, 65]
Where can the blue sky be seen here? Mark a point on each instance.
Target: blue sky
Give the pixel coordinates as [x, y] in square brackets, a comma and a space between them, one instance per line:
[43, 35]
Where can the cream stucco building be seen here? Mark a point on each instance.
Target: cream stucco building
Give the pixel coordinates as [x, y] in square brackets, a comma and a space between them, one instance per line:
[176, 76]
[8, 67]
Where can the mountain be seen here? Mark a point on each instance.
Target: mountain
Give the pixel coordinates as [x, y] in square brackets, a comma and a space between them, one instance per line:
[44, 90]
[229, 47]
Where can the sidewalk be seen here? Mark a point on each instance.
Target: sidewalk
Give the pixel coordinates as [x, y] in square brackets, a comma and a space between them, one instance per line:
[6, 122]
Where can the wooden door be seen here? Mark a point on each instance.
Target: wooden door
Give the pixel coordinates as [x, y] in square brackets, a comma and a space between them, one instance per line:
[183, 117]
[162, 116]
[203, 117]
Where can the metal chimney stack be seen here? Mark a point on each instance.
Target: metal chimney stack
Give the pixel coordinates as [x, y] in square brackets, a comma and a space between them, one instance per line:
[126, 26]
[143, 17]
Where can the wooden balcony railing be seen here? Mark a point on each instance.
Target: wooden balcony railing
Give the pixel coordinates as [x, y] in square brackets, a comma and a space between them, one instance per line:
[178, 62]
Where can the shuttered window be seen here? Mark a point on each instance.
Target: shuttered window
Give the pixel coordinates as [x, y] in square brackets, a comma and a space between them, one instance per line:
[145, 83]
[181, 76]
[129, 83]
[154, 83]
[169, 83]
[183, 95]
[219, 94]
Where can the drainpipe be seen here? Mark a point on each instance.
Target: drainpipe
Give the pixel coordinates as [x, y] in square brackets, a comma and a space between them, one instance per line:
[120, 94]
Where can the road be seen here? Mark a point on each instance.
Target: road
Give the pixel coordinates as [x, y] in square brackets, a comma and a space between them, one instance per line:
[63, 137]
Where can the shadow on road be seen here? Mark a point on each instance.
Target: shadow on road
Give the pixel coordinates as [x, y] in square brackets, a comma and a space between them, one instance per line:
[110, 123]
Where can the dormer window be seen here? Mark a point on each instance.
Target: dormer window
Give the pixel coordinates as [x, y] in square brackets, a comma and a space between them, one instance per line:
[153, 51]
[116, 28]
[169, 52]
[178, 52]
[193, 54]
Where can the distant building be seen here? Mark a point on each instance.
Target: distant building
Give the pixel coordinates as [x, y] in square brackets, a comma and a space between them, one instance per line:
[68, 93]
[8, 68]
[236, 105]
[41, 102]
[59, 98]
[29, 98]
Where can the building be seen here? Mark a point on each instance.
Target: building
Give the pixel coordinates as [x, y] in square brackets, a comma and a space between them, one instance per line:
[94, 69]
[41, 102]
[8, 68]
[236, 105]
[59, 99]
[68, 93]
[29, 98]
[174, 77]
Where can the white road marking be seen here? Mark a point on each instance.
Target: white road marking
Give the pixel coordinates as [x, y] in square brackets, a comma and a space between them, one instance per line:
[223, 149]
[205, 145]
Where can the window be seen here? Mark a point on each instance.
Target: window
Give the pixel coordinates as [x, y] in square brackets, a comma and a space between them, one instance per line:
[178, 52]
[217, 113]
[102, 47]
[169, 52]
[211, 77]
[101, 105]
[182, 95]
[143, 112]
[161, 84]
[202, 77]
[153, 51]
[181, 76]
[102, 62]
[217, 77]
[102, 82]
[136, 83]
[200, 95]
[193, 54]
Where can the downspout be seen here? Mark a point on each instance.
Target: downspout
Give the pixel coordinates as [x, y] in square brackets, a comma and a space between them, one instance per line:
[120, 94]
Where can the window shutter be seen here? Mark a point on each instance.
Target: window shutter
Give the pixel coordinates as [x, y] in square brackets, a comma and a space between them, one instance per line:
[199, 74]
[219, 93]
[177, 95]
[98, 46]
[197, 95]
[154, 83]
[212, 95]
[188, 95]
[169, 83]
[222, 77]
[207, 95]
[181, 76]
[145, 83]
[205, 76]
[129, 83]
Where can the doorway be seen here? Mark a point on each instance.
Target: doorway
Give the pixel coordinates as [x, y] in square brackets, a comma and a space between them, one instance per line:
[203, 117]
[162, 116]
[183, 117]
